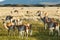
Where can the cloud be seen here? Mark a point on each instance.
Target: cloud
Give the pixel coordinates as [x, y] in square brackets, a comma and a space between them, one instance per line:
[2, 0]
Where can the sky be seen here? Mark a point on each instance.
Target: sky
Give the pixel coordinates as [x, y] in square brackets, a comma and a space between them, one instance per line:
[29, 1]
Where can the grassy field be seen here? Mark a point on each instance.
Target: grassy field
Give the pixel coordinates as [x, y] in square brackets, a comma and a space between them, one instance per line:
[38, 33]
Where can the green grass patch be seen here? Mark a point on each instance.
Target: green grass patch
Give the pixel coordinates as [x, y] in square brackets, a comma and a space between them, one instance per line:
[38, 33]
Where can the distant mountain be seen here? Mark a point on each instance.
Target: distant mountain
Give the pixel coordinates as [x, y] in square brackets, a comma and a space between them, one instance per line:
[23, 5]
